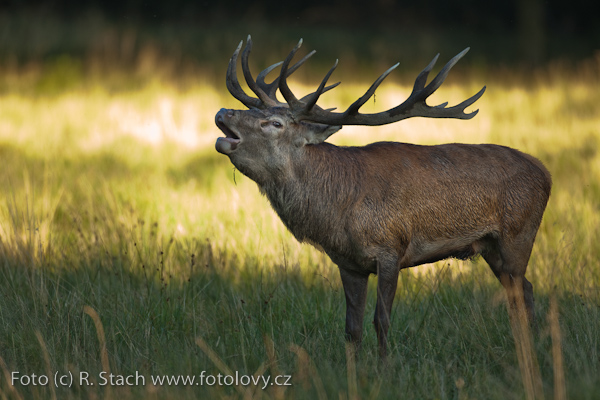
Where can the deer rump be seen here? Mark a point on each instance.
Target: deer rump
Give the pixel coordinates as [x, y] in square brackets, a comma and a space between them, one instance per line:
[387, 206]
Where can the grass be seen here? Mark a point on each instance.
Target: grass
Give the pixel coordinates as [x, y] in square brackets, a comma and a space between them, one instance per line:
[127, 244]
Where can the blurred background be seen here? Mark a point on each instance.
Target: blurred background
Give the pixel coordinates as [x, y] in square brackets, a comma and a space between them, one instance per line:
[74, 40]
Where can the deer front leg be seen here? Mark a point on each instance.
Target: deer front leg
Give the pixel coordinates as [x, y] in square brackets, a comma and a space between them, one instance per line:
[355, 289]
[387, 281]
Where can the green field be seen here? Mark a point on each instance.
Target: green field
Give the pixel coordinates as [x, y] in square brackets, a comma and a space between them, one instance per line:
[127, 244]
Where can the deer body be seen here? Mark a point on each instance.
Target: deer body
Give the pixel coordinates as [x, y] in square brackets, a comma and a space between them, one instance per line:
[387, 206]
[435, 201]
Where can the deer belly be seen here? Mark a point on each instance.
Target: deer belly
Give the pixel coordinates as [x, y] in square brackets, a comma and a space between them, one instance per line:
[418, 253]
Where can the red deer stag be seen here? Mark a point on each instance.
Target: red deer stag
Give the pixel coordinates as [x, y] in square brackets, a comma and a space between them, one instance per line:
[387, 206]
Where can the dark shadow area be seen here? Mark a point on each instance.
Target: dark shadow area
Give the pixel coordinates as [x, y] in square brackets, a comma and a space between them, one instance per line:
[151, 315]
[129, 42]
[152, 319]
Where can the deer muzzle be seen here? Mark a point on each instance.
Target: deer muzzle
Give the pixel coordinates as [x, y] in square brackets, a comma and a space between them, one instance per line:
[226, 145]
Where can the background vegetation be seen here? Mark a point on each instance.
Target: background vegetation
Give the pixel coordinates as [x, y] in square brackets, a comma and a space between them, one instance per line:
[128, 244]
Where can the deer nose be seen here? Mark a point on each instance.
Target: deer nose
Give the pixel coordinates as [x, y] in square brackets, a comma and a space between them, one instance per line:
[226, 112]
[223, 114]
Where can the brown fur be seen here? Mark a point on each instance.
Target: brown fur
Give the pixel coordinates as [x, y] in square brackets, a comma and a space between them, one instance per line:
[387, 206]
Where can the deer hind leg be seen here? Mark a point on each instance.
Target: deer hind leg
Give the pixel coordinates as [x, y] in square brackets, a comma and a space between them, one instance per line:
[509, 261]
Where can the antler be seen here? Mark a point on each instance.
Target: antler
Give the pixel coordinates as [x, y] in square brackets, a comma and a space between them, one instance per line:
[306, 108]
[265, 92]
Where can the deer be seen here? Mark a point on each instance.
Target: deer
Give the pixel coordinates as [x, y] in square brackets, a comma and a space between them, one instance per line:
[386, 206]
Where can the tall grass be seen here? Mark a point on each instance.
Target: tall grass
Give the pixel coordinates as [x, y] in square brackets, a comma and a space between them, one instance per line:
[117, 216]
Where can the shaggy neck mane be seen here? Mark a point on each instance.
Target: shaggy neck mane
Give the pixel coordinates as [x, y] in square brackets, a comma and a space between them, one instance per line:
[314, 199]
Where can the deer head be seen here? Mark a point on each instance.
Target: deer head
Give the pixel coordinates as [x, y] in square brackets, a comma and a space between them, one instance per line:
[273, 131]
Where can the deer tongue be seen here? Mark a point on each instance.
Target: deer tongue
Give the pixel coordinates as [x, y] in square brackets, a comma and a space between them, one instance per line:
[226, 145]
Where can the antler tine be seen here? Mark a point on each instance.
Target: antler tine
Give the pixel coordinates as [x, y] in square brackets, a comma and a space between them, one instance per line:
[291, 99]
[421, 92]
[422, 77]
[440, 111]
[267, 91]
[271, 88]
[441, 76]
[312, 98]
[306, 98]
[297, 65]
[353, 109]
[266, 100]
[465, 104]
[233, 84]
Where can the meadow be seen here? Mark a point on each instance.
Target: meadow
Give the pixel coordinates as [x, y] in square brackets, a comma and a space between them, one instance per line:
[128, 245]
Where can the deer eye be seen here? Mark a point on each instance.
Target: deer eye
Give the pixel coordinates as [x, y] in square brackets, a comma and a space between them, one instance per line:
[276, 124]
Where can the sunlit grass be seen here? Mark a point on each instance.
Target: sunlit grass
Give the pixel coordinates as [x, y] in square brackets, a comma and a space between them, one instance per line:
[118, 201]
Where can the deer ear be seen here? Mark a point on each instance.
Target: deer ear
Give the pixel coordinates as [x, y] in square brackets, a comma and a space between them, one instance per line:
[318, 133]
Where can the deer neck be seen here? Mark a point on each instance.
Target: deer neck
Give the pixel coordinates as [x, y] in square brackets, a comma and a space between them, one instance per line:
[317, 192]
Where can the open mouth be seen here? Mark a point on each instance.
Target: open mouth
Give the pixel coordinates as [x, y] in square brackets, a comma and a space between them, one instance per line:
[229, 134]
[230, 141]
